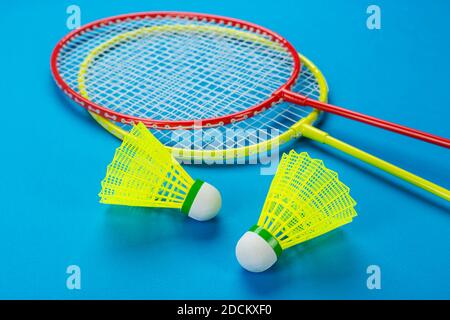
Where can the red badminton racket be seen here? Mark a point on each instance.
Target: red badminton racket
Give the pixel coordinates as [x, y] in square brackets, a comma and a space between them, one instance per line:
[174, 70]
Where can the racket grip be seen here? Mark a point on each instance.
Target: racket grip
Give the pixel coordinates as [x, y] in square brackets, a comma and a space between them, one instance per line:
[323, 137]
[410, 132]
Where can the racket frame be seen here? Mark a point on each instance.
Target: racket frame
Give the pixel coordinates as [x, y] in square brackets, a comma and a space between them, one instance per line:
[172, 124]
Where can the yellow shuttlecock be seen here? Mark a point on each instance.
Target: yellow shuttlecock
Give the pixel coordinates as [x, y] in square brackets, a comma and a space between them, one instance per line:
[305, 200]
[144, 173]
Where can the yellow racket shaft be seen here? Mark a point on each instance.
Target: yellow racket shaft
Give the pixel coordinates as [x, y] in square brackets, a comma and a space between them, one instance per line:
[323, 137]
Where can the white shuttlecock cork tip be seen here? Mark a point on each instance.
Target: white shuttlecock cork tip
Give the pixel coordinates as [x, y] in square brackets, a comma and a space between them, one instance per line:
[203, 201]
[257, 250]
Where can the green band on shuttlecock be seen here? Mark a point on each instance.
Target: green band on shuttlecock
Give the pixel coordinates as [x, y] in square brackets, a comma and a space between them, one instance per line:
[187, 204]
[270, 239]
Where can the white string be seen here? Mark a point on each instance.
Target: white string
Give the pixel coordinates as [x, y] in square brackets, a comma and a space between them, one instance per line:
[240, 78]
[275, 121]
[173, 74]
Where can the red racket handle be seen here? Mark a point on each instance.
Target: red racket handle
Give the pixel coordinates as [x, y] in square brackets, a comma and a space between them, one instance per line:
[417, 134]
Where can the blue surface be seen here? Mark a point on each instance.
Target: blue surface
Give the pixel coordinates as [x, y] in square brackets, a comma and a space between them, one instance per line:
[54, 156]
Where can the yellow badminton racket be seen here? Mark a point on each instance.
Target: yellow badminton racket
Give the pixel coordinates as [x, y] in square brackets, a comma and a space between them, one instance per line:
[109, 62]
[291, 122]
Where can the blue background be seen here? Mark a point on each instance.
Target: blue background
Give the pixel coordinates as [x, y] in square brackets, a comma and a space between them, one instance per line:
[54, 156]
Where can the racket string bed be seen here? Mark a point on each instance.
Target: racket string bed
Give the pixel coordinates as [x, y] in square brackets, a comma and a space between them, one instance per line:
[262, 127]
[193, 73]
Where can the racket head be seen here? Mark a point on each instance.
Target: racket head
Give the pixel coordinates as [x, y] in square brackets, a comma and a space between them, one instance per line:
[282, 122]
[203, 70]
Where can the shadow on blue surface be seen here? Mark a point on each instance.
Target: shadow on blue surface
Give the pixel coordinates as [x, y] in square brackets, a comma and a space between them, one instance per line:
[326, 258]
[137, 227]
[390, 181]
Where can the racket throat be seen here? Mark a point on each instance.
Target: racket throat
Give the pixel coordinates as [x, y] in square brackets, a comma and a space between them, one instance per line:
[311, 132]
[301, 100]
[293, 97]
